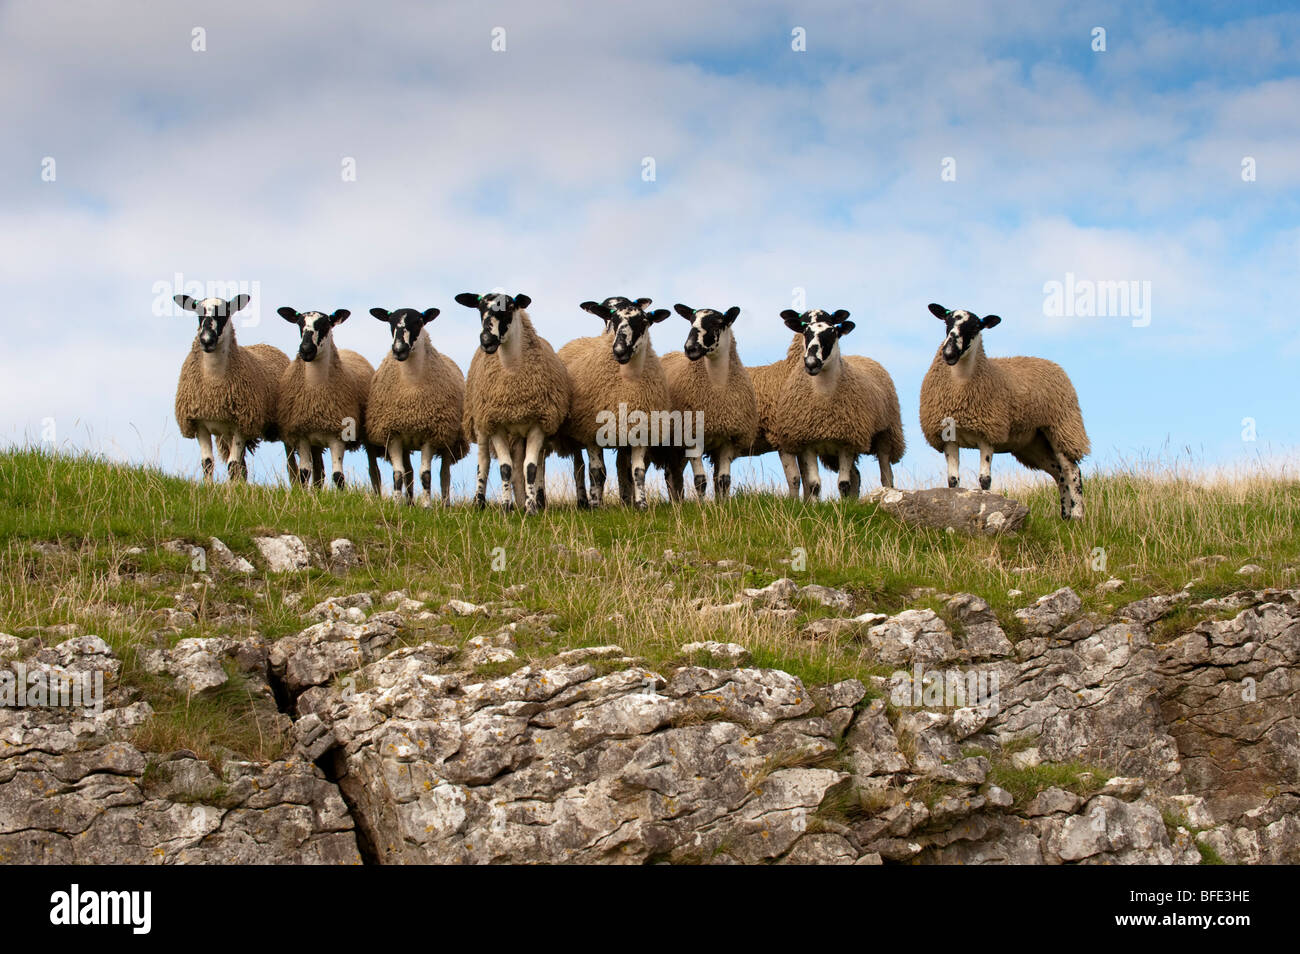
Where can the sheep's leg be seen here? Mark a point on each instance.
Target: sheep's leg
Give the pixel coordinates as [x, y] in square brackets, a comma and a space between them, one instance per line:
[637, 461]
[845, 474]
[1069, 479]
[336, 462]
[236, 463]
[541, 478]
[886, 470]
[444, 480]
[397, 457]
[305, 458]
[722, 472]
[372, 464]
[596, 466]
[290, 462]
[318, 467]
[812, 489]
[580, 480]
[481, 479]
[426, 474]
[518, 458]
[697, 470]
[204, 437]
[953, 453]
[501, 447]
[792, 467]
[674, 464]
[532, 469]
[623, 464]
[986, 465]
[408, 468]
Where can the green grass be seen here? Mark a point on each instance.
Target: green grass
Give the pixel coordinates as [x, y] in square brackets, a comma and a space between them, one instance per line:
[1150, 526]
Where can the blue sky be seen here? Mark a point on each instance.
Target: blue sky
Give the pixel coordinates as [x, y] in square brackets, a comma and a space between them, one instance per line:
[776, 170]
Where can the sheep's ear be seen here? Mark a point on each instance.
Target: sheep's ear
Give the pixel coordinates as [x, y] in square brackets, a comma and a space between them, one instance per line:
[988, 321]
[380, 313]
[522, 301]
[685, 311]
[339, 316]
[468, 299]
[939, 311]
[658, 315]
[839, 316]
[642, 302]
[792, 319]
[844, 327]
[732, 314]
[287, 313]
[431, 314]
[186, 302]
[597, 309]
[236, 303]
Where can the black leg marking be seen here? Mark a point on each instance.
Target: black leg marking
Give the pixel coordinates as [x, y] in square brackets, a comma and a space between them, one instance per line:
[304, 476]
[506, 473]
[844, 489]
[207, 468]
[722, 485]
[952, 481]
[338, 478]
[480, 501]
[986, 482]
[700, 484]
[530, 473]
[426, 480]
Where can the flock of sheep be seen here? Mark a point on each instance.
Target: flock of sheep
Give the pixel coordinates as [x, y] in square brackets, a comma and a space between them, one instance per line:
[521, 400]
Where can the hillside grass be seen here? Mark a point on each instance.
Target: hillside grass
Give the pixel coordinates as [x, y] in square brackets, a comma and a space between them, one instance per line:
[1150, 526]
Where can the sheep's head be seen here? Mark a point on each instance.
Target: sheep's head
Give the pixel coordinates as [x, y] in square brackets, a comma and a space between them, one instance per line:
[821, 332]
[314, 327]
[963, 328]
[214, 314]
[629, 322]
[497, 312]
[708, 328]
[405, 325]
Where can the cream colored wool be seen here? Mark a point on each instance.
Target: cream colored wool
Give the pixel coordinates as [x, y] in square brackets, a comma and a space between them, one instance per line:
[1007, 401]
[729, 413]
[601, 384]
[246, 393]
[498, 399]
[325, 406]
[862, 414]
[425, 411]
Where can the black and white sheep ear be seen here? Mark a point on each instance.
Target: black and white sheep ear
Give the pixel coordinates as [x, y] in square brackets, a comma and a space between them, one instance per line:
[186, 302]
[642, 302]
[989, 321]
[843, 328]
[939, 311]
[793, 320]
[839, 316]
[658, 315]
[685, 311]
[339, 316]
[731, 314]
[287, 313]
[431, 313]
[237, 303]
[522, 301]
[597, 309]
[468, 299]
[380, 313]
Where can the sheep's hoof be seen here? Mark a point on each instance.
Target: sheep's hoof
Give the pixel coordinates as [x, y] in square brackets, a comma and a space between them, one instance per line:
[844, 489]
[480, 501]
[541, 499]
[642, 505]
[952, 481]
[207, 468]
[700, 486]
[583, 502]
[721, 486]
[338, 479]
[304, 477]
[986, 483]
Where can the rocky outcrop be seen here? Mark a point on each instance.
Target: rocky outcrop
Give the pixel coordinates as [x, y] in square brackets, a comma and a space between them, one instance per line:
[953, 508]
[1086, 741]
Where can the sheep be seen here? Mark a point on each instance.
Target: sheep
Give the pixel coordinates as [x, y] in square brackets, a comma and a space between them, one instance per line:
[833, 407]
[516, 398]
[228, 390]
[323, 394]
[708, 378]
[1023, 406]
[417, 397]
[620, 397]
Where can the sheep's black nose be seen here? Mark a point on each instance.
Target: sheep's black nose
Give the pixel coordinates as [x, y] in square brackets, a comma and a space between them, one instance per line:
[401, 352]
[306, 352]
[812, 367]
[489, 343]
